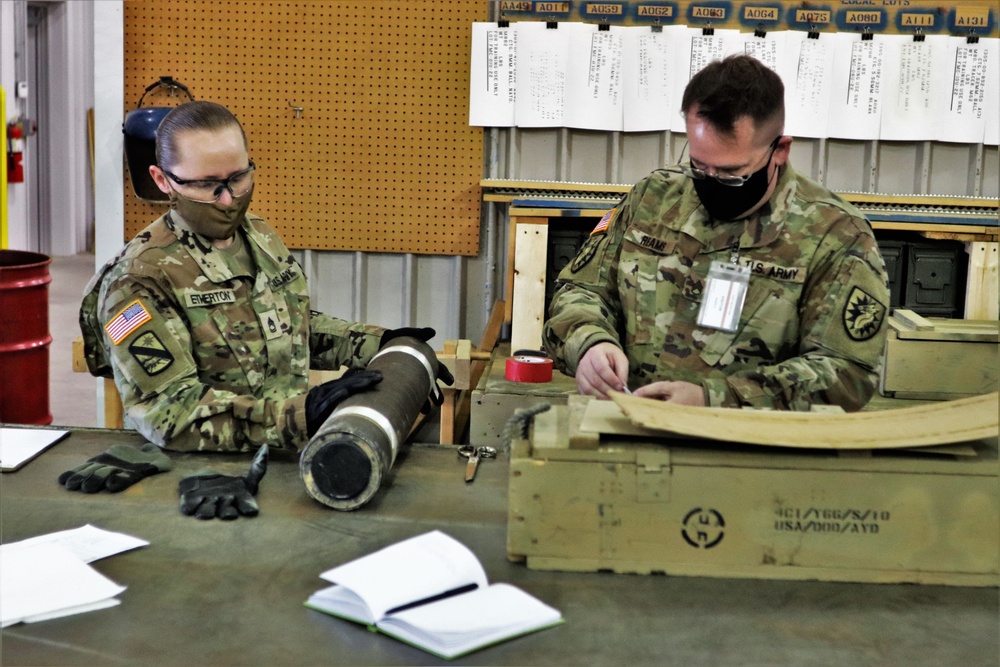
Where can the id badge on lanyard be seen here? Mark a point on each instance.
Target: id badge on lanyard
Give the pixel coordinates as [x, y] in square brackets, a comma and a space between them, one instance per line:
[725, 291]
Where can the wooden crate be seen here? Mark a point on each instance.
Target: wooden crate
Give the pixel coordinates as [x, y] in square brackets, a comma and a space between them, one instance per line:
[633, 503]
[495, 398]
[938, 358]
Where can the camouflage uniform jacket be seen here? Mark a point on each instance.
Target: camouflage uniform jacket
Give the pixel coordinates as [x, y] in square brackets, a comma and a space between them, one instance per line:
[206, 358]
[812, 325]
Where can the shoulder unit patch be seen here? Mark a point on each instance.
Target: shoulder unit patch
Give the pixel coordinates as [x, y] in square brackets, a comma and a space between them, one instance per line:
[863, 315]
[150, 353]
[586, 253]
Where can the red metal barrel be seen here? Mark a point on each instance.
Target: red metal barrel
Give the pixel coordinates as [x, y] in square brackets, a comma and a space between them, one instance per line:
[24, 337]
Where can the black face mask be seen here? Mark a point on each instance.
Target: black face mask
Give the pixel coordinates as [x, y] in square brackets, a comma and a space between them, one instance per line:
[725, 202]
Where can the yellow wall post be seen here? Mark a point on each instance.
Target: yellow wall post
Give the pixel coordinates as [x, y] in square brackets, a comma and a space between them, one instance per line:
[3, 172]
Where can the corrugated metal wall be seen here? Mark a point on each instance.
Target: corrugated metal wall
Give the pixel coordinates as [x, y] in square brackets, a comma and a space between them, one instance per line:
[454, 294]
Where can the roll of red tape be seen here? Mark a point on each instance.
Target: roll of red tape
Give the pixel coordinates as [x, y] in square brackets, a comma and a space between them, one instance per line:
[524, 368]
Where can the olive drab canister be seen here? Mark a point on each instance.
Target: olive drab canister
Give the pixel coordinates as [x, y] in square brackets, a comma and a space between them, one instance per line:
[350, 455]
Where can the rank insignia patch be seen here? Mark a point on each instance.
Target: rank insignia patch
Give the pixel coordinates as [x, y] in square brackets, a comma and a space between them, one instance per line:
[863, 315]
[151, 354]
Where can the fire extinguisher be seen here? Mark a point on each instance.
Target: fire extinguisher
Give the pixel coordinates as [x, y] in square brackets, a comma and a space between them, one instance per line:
[15, 152]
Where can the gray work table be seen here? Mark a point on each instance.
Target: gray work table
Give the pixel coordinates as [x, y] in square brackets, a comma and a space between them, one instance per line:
[231, 593]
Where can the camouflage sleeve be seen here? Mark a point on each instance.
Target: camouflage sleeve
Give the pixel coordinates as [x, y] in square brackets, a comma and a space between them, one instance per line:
[157, 377]
[842, 333]
[586, 309]
[334, 342]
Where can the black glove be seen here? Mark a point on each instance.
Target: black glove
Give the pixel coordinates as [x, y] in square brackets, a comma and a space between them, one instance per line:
[116, 469]
[210, 495]
[322, 399]
[423, 334]
[445, 375]
[436, 397]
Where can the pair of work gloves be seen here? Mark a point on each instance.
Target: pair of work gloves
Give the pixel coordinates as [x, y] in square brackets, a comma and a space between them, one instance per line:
[209, 494]
[204, 495]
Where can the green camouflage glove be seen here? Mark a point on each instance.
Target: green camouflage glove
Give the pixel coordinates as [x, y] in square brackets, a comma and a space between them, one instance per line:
[209, 495]
[116, 469]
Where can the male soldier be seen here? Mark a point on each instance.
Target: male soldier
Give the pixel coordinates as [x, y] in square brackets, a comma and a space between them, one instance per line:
[204, 316]
[730, 280]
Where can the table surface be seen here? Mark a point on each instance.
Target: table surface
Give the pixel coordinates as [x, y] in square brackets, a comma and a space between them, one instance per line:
[231, 593]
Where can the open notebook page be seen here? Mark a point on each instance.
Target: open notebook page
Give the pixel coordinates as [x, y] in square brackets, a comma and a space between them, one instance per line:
[414, 569]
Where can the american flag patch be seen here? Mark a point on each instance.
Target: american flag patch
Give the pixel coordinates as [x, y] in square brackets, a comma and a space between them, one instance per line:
[602, 226]
[128, 320]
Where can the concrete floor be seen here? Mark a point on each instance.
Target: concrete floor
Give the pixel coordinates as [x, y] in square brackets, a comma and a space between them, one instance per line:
[72, 396]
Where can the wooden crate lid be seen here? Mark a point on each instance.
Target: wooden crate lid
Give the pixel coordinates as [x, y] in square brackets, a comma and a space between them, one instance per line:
[908, 325]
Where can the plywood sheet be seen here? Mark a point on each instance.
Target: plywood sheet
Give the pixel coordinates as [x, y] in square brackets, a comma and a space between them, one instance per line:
[931, 424]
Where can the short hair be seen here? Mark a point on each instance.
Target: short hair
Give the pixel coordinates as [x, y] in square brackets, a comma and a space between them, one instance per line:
[726, 90]
[197, 115]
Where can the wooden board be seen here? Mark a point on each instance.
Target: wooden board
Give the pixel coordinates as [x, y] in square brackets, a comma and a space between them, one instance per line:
[982, 289]
[529, 305]
[607, 418]
[931, 424]
[910, 326]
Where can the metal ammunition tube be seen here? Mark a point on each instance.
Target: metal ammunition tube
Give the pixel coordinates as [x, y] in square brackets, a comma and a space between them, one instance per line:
[346, 460]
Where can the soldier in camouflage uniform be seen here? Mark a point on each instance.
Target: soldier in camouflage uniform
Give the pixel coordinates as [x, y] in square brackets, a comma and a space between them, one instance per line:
[204, 316]
[812, 326]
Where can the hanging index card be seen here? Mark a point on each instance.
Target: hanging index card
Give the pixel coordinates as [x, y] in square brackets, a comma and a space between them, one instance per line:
[696, 50]
[991, 104]
[594, 83]
[856, 96]
[807, 89]
[542, 66]
[648, 78]
[493, 75]
[964, 118]
[768, 49]
[915, 88]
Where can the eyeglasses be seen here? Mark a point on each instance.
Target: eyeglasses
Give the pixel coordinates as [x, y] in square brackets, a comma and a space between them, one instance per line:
[208, 190]
[731, 180]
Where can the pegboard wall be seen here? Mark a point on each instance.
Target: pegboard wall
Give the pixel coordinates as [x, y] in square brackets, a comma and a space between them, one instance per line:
[380, 159]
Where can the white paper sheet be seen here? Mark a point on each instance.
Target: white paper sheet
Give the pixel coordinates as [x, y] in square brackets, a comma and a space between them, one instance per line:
[648, 78]
[493, 75]
[46, 580]
[19, 445]
[992, 132]
[88, 543]
[964, 118]
[594, 80]
[807, 90]
[542, 65]
[856, 94]
[769, 49]
[385, 578]
[915, 85]
[694, 51]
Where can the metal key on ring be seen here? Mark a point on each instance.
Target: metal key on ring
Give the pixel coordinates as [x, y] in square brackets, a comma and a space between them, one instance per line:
[474, 454]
